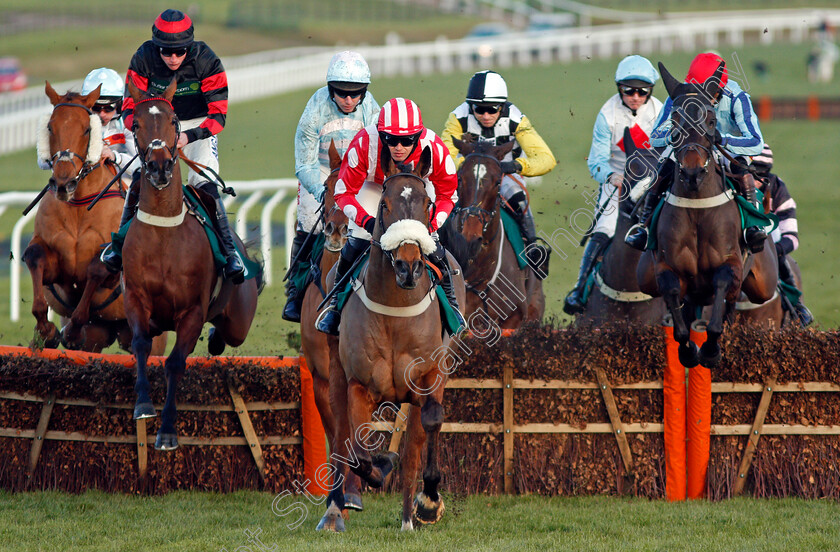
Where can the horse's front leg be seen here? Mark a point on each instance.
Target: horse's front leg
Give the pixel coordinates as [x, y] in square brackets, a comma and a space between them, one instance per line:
[137, 313]
[72, 333]
[669, 287]
[43, 267]
[187, 331]
[363, 438]
[722, 283]
[428, 505]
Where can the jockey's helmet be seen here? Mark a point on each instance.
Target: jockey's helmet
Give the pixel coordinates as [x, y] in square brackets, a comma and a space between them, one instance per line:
[487, 87]
[400, 117]
[636, 71]
[172, 29]
[704, 66]
[112, 85]
[348, 71]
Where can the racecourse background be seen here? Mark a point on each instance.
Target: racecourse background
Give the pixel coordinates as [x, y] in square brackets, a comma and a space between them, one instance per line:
[562, 101]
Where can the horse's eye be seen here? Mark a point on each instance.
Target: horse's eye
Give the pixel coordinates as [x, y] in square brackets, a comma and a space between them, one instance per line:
[49, 128]
[87, 131]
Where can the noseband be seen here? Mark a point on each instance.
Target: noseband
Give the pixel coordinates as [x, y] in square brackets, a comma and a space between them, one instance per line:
[70, 155]
[388, 252]
[157, 143]
[474, 210]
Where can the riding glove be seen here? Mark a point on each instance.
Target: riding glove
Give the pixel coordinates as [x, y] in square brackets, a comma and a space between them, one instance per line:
[510, 167]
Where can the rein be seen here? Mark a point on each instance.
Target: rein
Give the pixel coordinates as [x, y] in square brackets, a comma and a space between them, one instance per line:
[485, 216]
[157, 143]
[388, 253]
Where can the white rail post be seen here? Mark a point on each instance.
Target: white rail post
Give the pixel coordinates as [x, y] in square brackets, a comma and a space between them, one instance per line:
[265, 233]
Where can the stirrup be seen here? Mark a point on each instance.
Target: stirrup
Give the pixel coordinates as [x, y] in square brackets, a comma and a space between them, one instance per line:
[111, 259]
[637, 236]
[755, 237]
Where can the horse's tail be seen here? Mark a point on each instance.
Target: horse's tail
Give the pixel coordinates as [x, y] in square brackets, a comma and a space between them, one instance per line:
[260, 276]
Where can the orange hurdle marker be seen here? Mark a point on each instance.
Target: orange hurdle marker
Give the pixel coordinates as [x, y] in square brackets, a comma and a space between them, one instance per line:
[673, 383]
[699, 420]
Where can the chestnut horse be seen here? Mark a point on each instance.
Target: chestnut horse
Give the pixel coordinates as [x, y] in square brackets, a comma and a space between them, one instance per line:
[700, 259]
[314, 344]
[64, 251]
[387, 359]
[616, 296]
[170, 279]
[475, 235]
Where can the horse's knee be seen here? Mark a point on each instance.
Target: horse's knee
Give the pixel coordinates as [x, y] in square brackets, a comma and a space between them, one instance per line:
[668, 284]
[431, 415]
[33, 255]
[141, 344]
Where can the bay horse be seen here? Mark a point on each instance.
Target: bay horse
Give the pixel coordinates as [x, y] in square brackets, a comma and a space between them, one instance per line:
[700, 257]
[63, 255]
[475, 235]
[170, 279]
[315, 345]
[387, 359]
[616, 296]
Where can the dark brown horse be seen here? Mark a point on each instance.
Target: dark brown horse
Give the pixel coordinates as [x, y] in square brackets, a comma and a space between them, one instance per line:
[389, 332]
[314, 344]
[475, 236]
[64, 250]
[170, 280]
[616, 296]
[700, 257]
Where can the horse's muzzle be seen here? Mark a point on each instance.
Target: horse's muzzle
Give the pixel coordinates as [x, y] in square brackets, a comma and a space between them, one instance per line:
[160, 174]
[64, 191]
[408, 274]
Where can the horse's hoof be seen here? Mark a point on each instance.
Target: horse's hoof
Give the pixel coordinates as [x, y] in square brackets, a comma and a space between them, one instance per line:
[144, 410]
[386, 462]
[166, 441]
[215, 342]
[688, 355]
[425, 510]
[710, 357]
[332, 521]
[407, 525]
[352, 501]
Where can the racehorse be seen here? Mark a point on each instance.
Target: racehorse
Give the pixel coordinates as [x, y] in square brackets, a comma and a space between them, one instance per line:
[699, 258]
[387, 359]
[170, 280]
[314, 344]
[615, 294]
[475, 236]
[67, 237]
[773, 312]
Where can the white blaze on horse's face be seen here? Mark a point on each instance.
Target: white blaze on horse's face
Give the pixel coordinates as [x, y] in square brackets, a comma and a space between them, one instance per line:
[406, 193]
[479, 171]
[153, 110]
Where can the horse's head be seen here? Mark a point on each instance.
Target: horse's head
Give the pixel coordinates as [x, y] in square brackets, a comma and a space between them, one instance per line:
[479, 184]
[156, 132]
[335, 221]
[693, 124]
[70, 141]
[402, 222]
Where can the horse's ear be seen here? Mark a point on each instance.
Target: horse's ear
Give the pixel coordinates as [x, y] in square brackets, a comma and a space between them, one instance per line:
[386, 163]
[629, 144]
[91, 98]
[671, 83]
[169, 93]
[504, 149]
[425, 163]
[713, 83]
[464, 145]
[51, 93]
[335, 158]
[133, 91]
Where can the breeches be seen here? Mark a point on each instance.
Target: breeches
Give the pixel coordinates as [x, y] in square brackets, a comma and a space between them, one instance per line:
[205, 152]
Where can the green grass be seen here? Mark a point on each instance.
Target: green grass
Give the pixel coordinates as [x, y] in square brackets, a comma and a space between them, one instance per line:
[187, 521]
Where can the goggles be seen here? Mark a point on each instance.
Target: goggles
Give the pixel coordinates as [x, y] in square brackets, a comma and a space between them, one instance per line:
[353, 94]
[486, 109]
[178, 52]
[630, 90]
[107, 108]
[393, 141]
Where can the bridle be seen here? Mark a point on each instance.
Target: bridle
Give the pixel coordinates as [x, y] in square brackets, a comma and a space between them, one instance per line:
[335, 209]
[474, 210]
[157, 143]
[69, 155]
[709, 123]
[381, 220]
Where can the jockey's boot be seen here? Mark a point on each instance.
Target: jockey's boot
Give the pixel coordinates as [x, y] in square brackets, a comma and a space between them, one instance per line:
[574, 302]
[754, 236]
[301, 250]
[330, 319]
[536, 254]
[234, 270]
[110, 257]
[786, 275]
[439, 259]
[637, 236]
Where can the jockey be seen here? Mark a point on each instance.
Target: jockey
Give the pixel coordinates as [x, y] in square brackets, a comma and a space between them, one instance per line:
[786, 236]
[200, 103]
[633, 107]
[400, 132]
[335, 113]
[737, 131]
[488, 115]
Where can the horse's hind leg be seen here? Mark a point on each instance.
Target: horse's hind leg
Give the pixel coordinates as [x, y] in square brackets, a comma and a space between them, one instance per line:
[668, 285]
[340, 455]
[188, 330]
[428, 506]
[72, 333]
[42, 264]
[721, 283]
